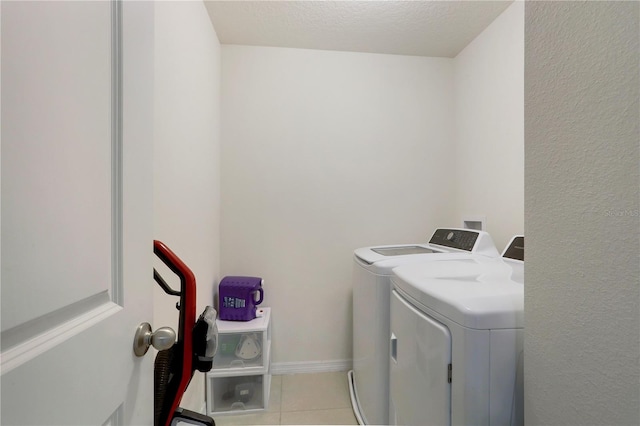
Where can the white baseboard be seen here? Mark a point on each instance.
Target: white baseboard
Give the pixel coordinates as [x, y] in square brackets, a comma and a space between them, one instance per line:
[311, 366]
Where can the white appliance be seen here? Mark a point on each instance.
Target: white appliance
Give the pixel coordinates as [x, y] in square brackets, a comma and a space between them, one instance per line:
[369, 380]
[457, 329]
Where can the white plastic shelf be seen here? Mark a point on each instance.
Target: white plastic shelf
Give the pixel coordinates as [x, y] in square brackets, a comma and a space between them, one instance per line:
[239, 380]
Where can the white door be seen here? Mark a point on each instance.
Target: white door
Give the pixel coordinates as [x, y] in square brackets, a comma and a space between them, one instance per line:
[420, 385]
[76, 212]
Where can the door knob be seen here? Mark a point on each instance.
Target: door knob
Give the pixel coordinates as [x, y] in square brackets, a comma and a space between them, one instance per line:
[161, 339]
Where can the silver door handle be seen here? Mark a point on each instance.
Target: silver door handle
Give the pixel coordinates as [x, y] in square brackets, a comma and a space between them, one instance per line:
[161, 339]
[394, 348]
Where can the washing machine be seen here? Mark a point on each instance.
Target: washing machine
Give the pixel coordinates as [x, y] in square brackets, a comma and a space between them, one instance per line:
[456, 342]
[369, 379]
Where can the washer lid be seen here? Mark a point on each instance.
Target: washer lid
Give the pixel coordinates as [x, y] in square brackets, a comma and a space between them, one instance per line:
[371, 255]
[475, 292]
[401, 250]
[386, 266]
[449, 240]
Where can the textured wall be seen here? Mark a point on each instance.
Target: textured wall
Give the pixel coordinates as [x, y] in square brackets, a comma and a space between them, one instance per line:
[187, 156]
[489, 88]
[325, 152]
[582, 213]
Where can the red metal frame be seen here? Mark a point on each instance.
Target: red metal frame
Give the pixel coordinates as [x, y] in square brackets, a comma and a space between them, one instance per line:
[187, 318]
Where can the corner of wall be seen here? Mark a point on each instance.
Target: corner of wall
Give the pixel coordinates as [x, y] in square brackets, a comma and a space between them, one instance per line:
[187, 155]
[489, 131]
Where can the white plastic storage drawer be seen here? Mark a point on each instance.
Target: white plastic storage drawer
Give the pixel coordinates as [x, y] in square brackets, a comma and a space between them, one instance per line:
[241, 350]
[238, 394]
[243, 345]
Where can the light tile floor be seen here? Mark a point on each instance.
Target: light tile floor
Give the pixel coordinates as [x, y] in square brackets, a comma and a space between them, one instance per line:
[302, 399]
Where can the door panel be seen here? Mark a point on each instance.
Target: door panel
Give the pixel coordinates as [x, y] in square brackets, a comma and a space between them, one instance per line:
[420, 391]
[57, 127]
[77, 92]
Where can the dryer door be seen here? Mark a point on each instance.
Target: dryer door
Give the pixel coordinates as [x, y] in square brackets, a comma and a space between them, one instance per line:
[419, 367]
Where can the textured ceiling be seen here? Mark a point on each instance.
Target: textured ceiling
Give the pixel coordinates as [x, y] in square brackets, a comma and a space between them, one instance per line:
[421, 28]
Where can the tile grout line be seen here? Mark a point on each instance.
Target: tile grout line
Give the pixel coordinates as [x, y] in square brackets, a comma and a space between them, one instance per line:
[280, 408]
[318, 409]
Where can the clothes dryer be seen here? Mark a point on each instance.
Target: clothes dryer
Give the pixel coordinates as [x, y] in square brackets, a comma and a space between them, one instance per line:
[457, 330]
[372, 270]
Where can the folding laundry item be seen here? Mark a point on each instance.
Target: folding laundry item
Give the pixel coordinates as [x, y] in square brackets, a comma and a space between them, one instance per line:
[239, 297]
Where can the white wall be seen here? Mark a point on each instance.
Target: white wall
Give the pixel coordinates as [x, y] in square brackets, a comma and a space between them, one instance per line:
[489, 99]
[187, 155]
[582, 163]
[325, 152]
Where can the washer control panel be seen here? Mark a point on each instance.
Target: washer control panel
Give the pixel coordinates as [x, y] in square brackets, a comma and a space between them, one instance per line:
[462, 239]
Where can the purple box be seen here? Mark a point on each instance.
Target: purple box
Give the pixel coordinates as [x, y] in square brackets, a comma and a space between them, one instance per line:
[238, 298]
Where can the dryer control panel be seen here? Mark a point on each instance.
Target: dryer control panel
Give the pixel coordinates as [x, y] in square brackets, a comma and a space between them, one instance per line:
[515, 249]
[461, 239]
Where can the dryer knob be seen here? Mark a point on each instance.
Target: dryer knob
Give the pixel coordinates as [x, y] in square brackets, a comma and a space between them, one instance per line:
[450, 236]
